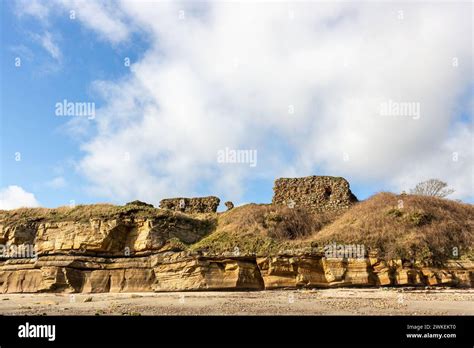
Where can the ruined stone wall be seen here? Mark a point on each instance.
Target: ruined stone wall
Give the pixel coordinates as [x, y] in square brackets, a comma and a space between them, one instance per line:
[191, 205]
[317, 193]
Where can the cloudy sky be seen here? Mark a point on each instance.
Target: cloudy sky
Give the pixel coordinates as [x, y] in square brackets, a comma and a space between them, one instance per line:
[379, 93]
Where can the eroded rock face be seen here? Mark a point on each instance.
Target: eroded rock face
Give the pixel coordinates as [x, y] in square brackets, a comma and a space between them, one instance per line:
[191, 205]
[113, 237]
[316, 271]
[316, 193]
[202, 273]
[72, 274]
[313, 271]
[182, 271]
[169, 271]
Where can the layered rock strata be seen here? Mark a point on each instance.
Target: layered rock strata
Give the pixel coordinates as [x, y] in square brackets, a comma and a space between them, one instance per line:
[182, 271]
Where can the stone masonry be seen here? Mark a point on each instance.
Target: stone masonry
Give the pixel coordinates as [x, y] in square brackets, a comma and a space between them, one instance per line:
[191, 205]
[317, 193]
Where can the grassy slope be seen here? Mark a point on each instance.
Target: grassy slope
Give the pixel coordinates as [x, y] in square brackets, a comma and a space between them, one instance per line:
[262, 229]
[406, 226]
[423, 228]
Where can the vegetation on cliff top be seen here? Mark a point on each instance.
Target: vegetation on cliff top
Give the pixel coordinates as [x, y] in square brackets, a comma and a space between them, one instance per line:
[83, 213]
[406, 226]
[396, 226]
[262, 229]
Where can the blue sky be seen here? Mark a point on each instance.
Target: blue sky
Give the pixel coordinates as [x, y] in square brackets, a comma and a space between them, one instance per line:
[205, 77]
[29, 95]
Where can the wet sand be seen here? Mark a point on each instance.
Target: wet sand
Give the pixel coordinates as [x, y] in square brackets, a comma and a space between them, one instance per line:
[344, 301]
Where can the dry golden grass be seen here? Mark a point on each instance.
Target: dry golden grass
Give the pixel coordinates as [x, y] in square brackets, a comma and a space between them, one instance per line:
[279, 222]
[83, 213]
[406, 226]
[261, 229]
[66, 213]
[396, 226]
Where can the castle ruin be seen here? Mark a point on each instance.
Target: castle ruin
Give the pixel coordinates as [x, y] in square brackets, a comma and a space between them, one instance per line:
[191, 205]
[316, 193]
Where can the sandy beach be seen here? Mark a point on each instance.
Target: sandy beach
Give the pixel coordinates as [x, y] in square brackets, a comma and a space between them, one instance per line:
[343, 301]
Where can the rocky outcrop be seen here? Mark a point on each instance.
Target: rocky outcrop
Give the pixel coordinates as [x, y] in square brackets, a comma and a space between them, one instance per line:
[229, 205]
[178, 273]
[183, 271]
[316, 193]
[73, 274]
[191, 205]
[168, 271]
[114, 237]
[316, 271]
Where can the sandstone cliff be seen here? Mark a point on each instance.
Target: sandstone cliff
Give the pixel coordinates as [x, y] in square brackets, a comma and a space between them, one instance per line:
[406, 240]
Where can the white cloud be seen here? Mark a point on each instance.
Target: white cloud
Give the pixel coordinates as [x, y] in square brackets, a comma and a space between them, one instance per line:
[225, 74]
[47, 42]
[57, 182]
[101, 16]
[453, 162]
[13, 197]
[35, 8]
